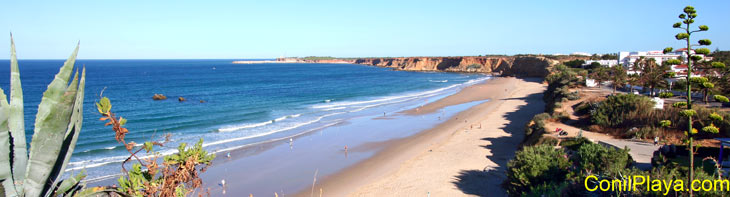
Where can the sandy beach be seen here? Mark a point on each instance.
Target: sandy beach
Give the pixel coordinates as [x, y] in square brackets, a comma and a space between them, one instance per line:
[456, 145]
[464, 156]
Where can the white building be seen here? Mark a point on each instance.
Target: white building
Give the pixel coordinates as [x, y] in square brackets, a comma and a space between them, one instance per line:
[627, 59]
[591, 83]
[581, 54]
[609, 63]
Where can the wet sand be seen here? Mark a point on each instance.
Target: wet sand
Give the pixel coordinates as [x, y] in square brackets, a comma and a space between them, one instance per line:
[465, 155]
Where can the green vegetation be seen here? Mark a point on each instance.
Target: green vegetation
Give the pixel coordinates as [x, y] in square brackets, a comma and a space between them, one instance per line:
[666, 95]
[575, 63]
[687, 17]
[559, 84]
[535, 128]
[57, 127]
[562, 171]
[178, 175]
[623, 110]
[534, 166]
[599, 159]
[618, 76]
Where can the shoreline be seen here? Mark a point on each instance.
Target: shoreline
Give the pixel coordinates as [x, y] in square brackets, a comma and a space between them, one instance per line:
[287, 167]
[447, 159]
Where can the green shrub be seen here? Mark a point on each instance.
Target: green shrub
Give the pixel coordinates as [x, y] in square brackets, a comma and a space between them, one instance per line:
[547, 190]
[534, 166]
[559, 83]
[547, 140]
[585, 107]
[535, 128]
[562, 116]
[573, 96]
[643, 133]
[599, 159]
[623, 110]
[574, 143]
[666, 94]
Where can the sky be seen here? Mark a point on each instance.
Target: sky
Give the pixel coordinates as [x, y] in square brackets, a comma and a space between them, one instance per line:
[274, 28]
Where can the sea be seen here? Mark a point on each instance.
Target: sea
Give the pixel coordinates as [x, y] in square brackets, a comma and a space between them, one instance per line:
[227, 105]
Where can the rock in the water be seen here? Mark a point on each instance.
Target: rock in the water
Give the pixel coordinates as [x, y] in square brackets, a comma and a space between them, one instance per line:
[202, 101]
[159, 97]
[181, 99]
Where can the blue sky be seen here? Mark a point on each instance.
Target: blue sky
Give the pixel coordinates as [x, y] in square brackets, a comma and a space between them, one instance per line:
[268, 29]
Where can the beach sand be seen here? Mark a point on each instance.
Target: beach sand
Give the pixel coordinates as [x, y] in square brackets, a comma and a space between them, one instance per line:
[456, 158]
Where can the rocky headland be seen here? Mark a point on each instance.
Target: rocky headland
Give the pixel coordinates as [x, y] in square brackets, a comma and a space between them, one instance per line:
[521, 66]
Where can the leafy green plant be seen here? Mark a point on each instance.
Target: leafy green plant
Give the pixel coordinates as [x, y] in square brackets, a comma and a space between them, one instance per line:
[534, 166]
[596, 158]
[178, 175]
[57, 128]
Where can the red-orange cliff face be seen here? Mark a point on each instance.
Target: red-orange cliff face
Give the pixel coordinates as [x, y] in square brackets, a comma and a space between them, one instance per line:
[523, 66]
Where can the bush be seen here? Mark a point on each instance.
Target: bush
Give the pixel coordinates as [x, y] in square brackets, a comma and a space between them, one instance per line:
[535, 128]
[622, 110]
[574, 96]
[575, 63]
[599, 159]
[534, 166]
[547, 190]
[666, 94]
[562, 116]
[547, 140]
[559, 83]
[643, 133]
[575, 143]
[585, 107]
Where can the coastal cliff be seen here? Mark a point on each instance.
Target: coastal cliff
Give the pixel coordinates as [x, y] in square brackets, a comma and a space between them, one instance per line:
[521, 66]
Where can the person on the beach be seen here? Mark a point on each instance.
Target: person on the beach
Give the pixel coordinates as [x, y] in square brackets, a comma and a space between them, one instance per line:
[656, 140]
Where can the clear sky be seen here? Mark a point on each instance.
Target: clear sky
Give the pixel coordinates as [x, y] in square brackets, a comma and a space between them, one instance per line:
[272, 28]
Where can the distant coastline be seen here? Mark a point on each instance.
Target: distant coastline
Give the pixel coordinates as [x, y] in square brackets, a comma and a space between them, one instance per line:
[498, 65]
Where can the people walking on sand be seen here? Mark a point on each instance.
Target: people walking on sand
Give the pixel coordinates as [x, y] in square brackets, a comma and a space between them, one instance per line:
[656, 140]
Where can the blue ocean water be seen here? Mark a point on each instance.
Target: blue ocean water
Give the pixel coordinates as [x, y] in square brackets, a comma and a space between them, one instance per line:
[242, 103]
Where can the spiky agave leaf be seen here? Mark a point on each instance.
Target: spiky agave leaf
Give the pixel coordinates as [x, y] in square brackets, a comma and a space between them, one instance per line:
[16, 122]
[51, 126]
[5, 166]
[72, 133]
[67, 185]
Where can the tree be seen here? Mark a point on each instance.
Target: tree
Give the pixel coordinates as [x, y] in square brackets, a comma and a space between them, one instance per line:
[594, 65]
[601, 74]
[575, 63]
[633, 79]
[653, 75]
[687, 17]
[618, 76]
[609, 56]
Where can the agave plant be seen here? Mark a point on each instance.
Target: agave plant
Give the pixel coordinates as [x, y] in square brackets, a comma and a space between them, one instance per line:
[57, 127]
